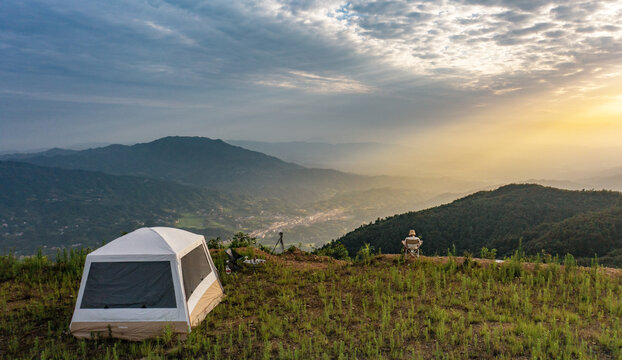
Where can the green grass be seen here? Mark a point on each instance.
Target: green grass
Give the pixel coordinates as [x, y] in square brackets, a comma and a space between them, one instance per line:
[376, 309]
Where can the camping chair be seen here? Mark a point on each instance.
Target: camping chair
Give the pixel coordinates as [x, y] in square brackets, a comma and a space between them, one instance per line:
[411, 246]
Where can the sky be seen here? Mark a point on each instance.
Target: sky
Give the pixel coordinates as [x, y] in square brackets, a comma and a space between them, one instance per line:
[496, 89]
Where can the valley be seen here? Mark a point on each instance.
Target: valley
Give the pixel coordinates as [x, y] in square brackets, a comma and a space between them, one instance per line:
[285, 222]
[65, 198]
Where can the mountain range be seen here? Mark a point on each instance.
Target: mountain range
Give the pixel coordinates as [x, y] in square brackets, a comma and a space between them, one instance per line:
[212, 164]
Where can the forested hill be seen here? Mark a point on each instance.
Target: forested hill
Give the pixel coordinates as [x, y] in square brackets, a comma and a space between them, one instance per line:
[559, 221]
[58, 207]
[207, 163]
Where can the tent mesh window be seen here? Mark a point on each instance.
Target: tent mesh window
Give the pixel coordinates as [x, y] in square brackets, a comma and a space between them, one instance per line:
[194, 267]
[138, 284]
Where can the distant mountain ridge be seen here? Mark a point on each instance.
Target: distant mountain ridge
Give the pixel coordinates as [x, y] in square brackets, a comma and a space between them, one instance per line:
[613, 182]
[207, 163]
[28, 155]
[214, 164]
[498, 219]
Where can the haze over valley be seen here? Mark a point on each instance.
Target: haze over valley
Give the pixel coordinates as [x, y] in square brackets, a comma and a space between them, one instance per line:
[66, 198]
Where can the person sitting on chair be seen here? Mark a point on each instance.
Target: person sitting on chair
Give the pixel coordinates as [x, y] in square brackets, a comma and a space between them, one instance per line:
[410, 240]
[412, 236]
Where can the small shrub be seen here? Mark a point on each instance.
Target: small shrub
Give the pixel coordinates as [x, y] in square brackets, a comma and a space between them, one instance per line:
[242, 240]
[488, 254]
[215, 243]
[334, 249]
[569, 262]
[365, 254]
[167, 334]
[452, 252]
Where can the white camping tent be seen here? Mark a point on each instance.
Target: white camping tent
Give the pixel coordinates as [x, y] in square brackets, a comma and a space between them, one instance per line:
[135, 286]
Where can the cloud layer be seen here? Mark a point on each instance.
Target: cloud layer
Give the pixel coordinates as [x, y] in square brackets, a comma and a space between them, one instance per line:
[278, 69]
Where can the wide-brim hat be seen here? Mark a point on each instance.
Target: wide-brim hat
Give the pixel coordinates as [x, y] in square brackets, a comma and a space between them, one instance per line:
[411, 233]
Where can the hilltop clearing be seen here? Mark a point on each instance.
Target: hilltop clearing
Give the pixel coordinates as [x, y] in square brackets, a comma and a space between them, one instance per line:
[302, 306]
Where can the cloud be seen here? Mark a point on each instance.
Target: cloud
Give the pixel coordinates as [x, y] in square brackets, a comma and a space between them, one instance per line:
[314, 83]
[237, 40]
[505, 91]
[461, 41]
[526, 5]
[165, 31]
[104, 100]
[513, 16]
[575, 12]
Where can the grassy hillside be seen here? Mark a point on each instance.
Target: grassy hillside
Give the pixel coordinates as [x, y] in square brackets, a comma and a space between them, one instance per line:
[299, 306]
[499, 218]
[48, 207]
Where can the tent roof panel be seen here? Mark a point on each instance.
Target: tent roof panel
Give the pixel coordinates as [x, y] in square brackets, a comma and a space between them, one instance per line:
[177, 239]
[149, 241]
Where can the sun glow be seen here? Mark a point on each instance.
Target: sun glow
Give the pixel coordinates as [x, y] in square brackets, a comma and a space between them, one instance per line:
[553, 133]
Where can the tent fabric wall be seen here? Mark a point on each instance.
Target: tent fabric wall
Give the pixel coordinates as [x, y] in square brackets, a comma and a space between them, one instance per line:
[138, 322]
[211, 297]
[195, 267]
[134, 331]
[178, 313]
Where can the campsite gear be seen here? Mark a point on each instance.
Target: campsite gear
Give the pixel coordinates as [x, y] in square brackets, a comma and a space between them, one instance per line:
[233, 259]
[279, 242]
[254, 261]
[139, 284]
